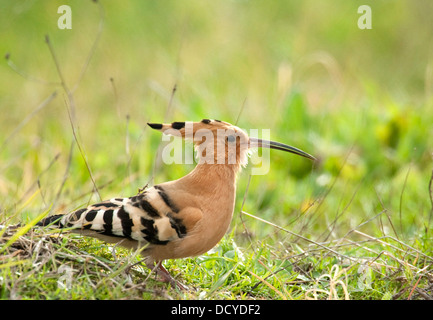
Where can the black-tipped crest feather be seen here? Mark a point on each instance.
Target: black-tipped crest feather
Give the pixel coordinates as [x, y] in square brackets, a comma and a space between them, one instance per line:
[157, 126]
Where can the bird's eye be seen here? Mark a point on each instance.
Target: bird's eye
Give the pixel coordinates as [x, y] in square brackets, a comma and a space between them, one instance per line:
[231, 139]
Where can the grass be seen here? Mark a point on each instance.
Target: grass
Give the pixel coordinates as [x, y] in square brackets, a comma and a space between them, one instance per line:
[357, 225]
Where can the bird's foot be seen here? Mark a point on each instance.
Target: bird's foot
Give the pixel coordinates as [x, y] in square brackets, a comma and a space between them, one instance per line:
[166, 277]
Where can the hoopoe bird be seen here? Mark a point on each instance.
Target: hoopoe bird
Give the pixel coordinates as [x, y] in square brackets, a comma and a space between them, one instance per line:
[181, 218]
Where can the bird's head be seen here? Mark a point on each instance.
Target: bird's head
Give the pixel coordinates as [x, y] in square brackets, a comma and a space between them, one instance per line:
[219, 142]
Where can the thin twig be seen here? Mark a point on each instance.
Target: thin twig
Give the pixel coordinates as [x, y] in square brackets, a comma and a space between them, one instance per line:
[240, 111]
[94, 45]
[42, 105]
[71, 108]
[83, 155]
[299, 236]
[430, 189]
[65, 175]
[401, 199]
[327, 191]
[403, 263]
[411, 291]
[116, 96]
[242, 208]
[157, 161]
[35, 183]
[338, 215]
[26, 75]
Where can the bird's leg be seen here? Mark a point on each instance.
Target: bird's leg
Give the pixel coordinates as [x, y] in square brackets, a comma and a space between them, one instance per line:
[166, 276]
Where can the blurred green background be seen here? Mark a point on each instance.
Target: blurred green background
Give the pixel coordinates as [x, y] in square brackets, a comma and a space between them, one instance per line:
[359, 100]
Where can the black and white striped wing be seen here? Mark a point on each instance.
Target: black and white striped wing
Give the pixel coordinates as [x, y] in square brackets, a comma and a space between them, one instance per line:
[135, 218]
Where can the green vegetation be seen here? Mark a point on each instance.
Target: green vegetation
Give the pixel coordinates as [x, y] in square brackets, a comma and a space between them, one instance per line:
[356, 225]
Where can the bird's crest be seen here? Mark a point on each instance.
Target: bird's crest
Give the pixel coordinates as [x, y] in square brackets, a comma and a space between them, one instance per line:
[215, 141]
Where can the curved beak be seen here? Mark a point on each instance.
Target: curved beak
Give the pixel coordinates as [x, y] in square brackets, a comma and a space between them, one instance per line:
[255, 142]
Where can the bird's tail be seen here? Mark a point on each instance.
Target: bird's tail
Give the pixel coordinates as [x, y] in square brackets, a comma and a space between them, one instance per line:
[54, 220]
